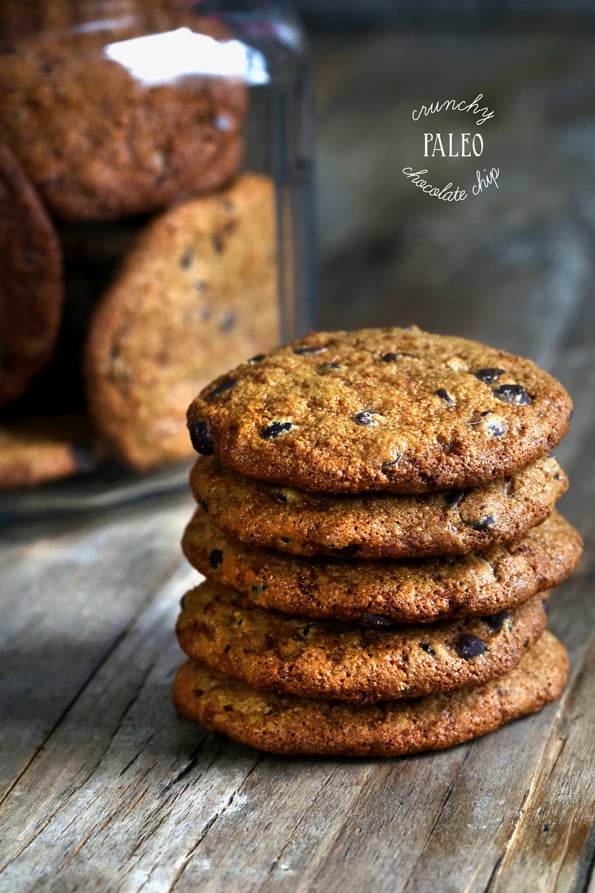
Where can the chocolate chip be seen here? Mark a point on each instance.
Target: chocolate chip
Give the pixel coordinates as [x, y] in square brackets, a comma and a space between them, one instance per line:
[201, 437]
[226, 385]
[390, 357]
[453, 498]
[227, 321]
[365, 418]
[469, 646]
[557, 476]
[376, 620]
[303, 351]
[217, 243]
[257, 358]
[391, 462]
[346, 551]
[444, 395]
[489, 375]
[425, 646]
[515, 394]
[285, 539]
[258, 588]
[490, 423]
[485, 524]
[275, 429]
[326, 367]
[280, 497]
[269, 642]
[496, 427]
[187, 258]
[215, 558]
[496, 621]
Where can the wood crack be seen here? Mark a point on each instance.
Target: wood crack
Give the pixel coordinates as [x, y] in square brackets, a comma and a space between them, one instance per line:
[187, 769]
[132, 761]
[209, 824]
[437, 817]
[297, 825]
[554, 746]
[587, 866]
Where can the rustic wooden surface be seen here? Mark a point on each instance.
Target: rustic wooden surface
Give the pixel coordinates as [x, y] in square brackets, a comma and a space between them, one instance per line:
[102, 787]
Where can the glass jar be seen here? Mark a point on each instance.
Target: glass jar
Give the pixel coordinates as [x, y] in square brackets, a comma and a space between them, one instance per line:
[156, 229]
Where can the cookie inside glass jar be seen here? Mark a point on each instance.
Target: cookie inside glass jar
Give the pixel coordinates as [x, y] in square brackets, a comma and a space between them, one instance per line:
[160, 163]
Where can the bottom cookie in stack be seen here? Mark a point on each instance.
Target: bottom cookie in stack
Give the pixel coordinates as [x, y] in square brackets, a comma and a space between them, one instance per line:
[293, 726]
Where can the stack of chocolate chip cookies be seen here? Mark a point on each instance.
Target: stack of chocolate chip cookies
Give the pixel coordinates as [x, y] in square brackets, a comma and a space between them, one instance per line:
[377, 529]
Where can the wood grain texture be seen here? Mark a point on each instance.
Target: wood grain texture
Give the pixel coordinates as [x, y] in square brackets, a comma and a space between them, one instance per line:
[102, 786]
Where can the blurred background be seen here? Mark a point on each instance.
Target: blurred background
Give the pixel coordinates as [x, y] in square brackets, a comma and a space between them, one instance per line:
[513, 265]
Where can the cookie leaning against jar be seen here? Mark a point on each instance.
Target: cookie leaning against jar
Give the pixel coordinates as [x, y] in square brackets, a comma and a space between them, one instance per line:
[98, 138]
[31, 286]
[396, 410]
[198, 289]
[41, 448]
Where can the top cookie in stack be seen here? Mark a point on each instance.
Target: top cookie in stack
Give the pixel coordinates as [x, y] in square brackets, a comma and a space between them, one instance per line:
[394, 488]
[391, 410]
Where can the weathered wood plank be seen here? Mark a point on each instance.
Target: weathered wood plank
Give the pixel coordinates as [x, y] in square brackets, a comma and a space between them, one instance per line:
[68, 596]
[550, 843]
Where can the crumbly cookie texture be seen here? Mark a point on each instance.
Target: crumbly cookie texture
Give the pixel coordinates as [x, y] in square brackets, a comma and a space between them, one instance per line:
[348, 662]
[378, 593]
[44, 448]
[389, 409]
[31, 288]
[293, 726]
[377, 525]
[100, 142]
[198, 288]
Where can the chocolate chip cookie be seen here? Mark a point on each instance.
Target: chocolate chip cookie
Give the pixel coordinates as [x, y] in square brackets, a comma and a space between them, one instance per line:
[44, 448]
[377, 525]
[198, 289]
[391, 409]
[378, 593]
[30, 281]
[350, 662]
[287, 725]
[100, 137]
